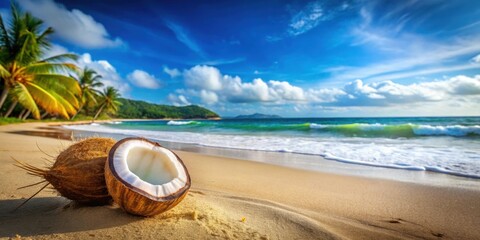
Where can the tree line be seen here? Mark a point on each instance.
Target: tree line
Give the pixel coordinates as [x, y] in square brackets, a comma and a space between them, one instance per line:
[140, 109]
[37, 85]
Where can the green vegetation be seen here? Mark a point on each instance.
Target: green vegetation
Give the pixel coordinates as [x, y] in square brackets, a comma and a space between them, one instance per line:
[4, 121]
[53, 88]
[30, 78]
[141, 109]
[109, 101]
[89, 82]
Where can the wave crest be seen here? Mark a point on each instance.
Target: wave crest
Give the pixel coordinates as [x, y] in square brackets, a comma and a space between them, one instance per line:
[172, 122]
[400, 130]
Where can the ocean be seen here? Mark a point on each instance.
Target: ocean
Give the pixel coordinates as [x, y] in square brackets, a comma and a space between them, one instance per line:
[449, 145]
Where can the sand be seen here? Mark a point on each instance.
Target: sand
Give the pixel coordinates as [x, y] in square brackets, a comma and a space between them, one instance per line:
[234, 199]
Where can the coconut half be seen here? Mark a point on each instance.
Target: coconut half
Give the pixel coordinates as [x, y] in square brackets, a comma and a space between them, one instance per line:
[145, 178]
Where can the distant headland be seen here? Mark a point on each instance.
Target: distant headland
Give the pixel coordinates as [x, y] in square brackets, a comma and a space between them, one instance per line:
[256, 116]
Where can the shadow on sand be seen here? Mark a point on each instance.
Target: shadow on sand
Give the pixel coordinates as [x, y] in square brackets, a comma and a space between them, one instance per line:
[50, 215]
[47, 132]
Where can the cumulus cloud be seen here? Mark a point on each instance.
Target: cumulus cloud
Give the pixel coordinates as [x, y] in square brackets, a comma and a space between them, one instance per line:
[283, 90]
[178, 100]
[237, 91]
[203, 77]
[208, 97]
[172, 72]
[73, 26]
[143, 79]
[110, 76]
[210, 86]
[387, 93]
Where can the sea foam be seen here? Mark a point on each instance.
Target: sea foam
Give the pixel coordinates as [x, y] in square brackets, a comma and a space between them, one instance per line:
[400, 130]
[461, 157]
[172, 122]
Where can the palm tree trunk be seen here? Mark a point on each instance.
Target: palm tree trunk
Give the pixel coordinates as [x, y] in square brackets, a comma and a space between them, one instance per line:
[44, 115]
[10, 109]
[20, 116]
[79, 109]
[98, 113]
[26, 115]
[4, 95]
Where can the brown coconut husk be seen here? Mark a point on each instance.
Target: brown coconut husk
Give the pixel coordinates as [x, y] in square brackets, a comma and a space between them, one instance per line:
[135, 201]
[78, 172]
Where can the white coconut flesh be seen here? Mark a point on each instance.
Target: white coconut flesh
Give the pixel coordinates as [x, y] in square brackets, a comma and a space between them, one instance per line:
[152, 169]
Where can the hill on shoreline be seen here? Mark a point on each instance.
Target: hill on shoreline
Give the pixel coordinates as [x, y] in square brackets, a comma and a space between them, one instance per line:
[143, 110]
[256, 116]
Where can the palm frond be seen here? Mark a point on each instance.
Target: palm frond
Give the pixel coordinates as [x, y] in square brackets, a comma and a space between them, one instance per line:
[42, 39]
[69, 108]
[5, 38]
[46, 67]
[22, 94]
[94, 94]
[55, 81]
[46, 100]
[59, 89]
[25, 51]
[61, 57]
[4, 73]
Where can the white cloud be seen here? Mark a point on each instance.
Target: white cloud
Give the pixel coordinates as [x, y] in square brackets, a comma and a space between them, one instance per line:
[283, 90]
[463, 85]
[143, 79]
[73, 26]
[414, 54]
[424, 72]
[476, 59]
[305, 20]
[182, 36]
[110, 76]
[237, 91]
[428, 56]
[209, 86]
[323, 95]
[54, 50]
[388, 93]
[172, 72]
[203, 77]
[178, 100]
[208, 97]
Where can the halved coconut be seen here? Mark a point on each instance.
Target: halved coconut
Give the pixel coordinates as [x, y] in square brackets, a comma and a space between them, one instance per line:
[145, 178]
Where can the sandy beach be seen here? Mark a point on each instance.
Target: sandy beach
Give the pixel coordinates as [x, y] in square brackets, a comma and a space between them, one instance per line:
[234, 199]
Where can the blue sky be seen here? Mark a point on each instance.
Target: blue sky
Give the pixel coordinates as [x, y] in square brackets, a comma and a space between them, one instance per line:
[293, 58]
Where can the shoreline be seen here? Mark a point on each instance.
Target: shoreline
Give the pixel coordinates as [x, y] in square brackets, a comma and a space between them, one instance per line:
[304, 204]
[317, 163]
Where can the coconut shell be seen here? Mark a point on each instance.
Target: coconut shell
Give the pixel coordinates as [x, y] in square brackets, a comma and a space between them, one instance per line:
[136, 201]
[78, 172]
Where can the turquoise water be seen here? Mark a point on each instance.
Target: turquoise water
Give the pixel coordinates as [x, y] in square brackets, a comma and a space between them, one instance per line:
[342, 127]
[448, 145]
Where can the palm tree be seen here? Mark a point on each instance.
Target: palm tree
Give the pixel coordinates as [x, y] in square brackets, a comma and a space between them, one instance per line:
[28, 79]
[89, 83]
[109, 101]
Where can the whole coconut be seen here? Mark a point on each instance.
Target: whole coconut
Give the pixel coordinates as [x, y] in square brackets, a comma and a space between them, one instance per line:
[78, 171]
